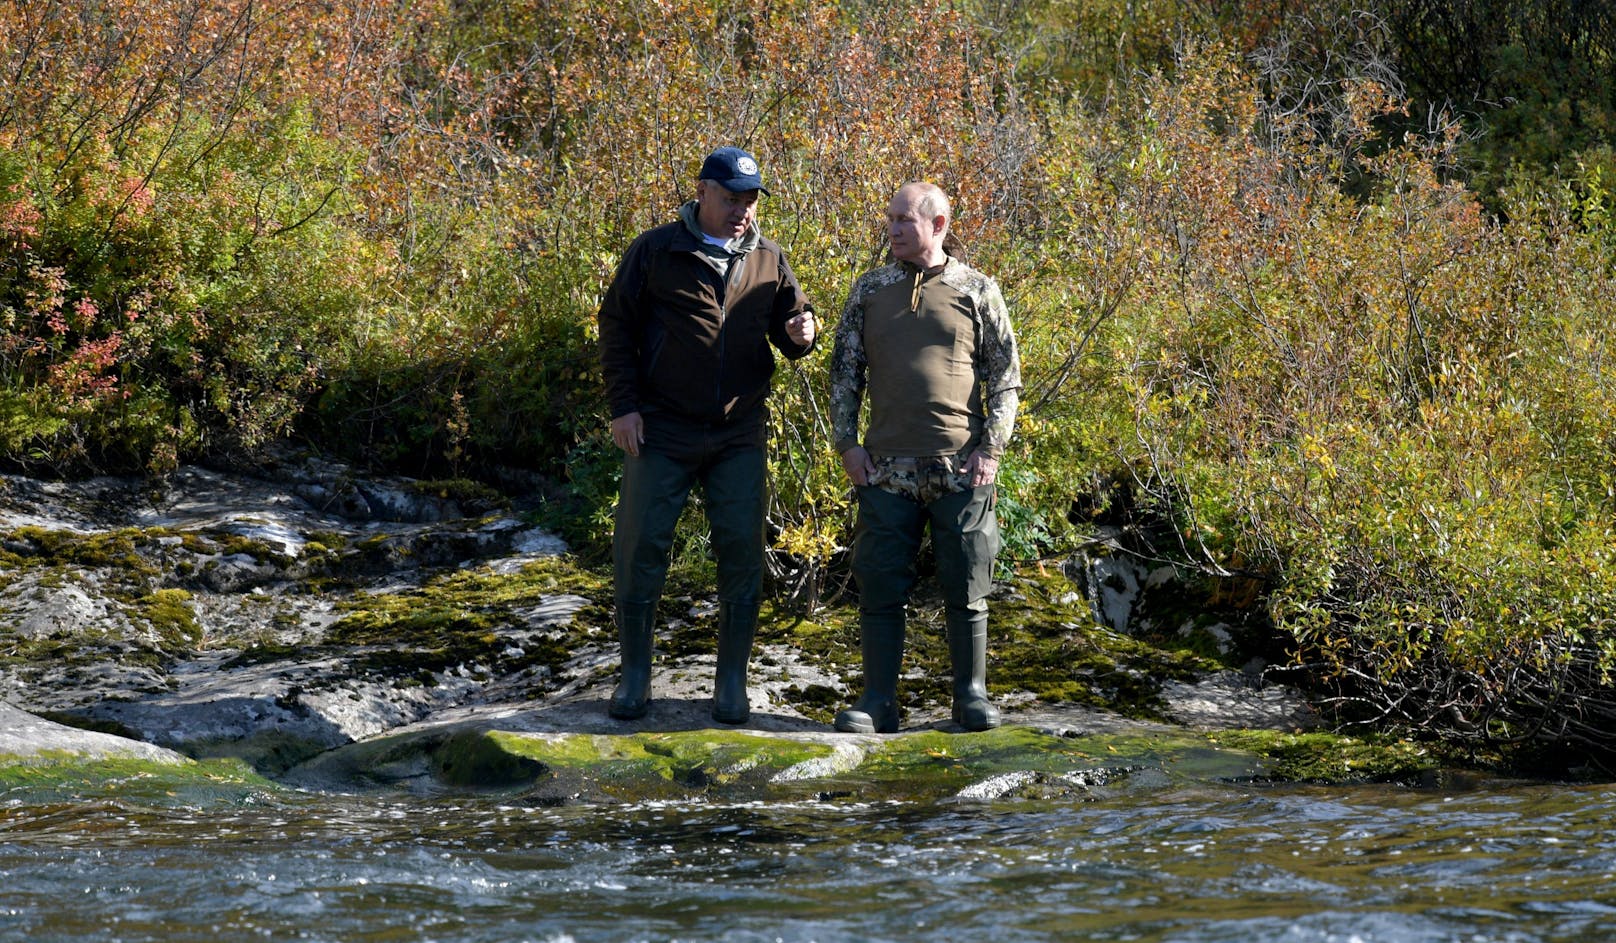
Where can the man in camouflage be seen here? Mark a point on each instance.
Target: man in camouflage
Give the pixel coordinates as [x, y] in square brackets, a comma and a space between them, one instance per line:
[928, 341]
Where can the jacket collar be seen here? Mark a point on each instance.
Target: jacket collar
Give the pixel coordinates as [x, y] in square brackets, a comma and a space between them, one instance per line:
[691, 239]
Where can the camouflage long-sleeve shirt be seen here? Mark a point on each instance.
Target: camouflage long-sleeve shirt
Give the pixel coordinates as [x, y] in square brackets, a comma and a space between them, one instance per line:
[936, 355]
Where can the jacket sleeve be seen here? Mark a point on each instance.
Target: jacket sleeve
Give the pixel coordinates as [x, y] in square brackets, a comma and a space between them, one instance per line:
[621, 322]
[847, 373]
[1000, 369]
[789, 302]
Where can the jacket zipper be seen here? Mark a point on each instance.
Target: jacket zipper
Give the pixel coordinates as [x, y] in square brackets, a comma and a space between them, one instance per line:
[723, 316]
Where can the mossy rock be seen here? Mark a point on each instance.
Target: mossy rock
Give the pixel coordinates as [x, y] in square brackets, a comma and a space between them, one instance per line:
[68, 777]
[741, 765]
[1336, 759]
[733, 764]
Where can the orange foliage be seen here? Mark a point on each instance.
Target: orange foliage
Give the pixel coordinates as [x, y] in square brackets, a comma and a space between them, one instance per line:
[612, 106]
[109, 68]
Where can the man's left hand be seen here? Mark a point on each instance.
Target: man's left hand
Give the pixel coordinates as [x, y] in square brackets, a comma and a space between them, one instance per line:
[981, 469]
[801, 329]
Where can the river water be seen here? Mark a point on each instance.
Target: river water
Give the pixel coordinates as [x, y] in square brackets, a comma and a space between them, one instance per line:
[1151, 861]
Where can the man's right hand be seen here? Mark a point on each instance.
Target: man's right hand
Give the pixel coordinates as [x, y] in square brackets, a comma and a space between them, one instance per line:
[628, 431]
[858, 465]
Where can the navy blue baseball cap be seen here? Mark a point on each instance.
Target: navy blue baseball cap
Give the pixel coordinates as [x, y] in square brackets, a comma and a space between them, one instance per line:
[733, 169]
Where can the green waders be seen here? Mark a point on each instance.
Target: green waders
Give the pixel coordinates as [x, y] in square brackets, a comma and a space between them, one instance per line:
[636, 626]
[968, 650]
[737, 623]
[965, 539]
[651, 497]
[876, 710]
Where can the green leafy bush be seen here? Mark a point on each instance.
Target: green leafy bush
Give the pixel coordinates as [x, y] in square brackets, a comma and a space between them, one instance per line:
[175, 310]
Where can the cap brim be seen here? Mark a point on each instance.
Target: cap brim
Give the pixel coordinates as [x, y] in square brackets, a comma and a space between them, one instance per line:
[743, 185]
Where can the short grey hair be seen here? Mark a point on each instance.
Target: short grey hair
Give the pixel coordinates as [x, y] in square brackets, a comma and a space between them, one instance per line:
[933, 201]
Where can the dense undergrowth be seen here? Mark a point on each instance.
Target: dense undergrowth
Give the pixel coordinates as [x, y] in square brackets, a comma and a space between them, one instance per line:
[1290, 313]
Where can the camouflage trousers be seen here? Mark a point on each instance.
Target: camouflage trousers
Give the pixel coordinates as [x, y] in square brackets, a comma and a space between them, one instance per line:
[922, 480]
[906, 498]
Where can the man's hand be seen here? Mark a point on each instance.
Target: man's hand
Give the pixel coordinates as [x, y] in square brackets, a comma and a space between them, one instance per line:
[802, 328]
[628, 431]
[856, 462]
[982, 469]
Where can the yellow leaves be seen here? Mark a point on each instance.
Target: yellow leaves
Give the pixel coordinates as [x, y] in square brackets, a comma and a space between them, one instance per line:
[808, 540]
[1316, 452]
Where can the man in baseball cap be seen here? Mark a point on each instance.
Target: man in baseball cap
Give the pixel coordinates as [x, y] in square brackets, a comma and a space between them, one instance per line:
[688, 331]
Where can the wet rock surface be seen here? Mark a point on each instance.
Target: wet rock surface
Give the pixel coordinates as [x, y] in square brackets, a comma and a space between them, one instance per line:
[225, 614]
[25, 735]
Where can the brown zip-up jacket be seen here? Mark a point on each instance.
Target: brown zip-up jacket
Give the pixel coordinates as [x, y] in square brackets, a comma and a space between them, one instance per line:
[678, 339]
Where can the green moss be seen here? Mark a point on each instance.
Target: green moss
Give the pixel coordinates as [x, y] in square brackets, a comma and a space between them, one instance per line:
[738, 764]
[473, 495]
[1332, 758]
[479, 760]
[1044, 641]
[260, 550]
[1017, 748]
[1006, 748]
[170, 615]
[573, 766]
[465, 617]
[117, 550]
[64, 776]
[689, 760]
[328, 539]
[817, 700]
[85, 650]
[193, 542]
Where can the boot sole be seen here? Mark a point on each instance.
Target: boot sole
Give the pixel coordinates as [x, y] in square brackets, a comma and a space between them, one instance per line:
[628, 711]
[853, 726]
[845, 724]
[987, 723]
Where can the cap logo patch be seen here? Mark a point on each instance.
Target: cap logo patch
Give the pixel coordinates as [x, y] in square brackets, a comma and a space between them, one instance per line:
[747, 166]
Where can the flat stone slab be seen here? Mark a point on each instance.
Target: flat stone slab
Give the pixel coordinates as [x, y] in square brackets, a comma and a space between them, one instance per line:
[25, 735]
[576, 755]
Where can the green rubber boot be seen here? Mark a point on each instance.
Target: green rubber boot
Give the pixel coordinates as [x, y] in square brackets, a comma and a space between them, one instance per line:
[635, 636]
[737, 624]
[968, 649]
[876, 711]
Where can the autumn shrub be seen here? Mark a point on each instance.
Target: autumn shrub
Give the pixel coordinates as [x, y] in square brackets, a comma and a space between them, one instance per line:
[174, 267]
[1391, 406]
[169, 300]
[481, 362]
[540, 141]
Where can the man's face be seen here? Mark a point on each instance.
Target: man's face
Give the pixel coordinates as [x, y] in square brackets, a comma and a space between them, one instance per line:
[724, 213]
[913, 233]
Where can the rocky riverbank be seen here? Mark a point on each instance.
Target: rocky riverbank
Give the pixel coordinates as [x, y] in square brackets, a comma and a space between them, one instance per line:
[298, 616]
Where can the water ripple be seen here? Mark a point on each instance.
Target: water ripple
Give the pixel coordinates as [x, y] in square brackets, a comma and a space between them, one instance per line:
[1263, 864]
